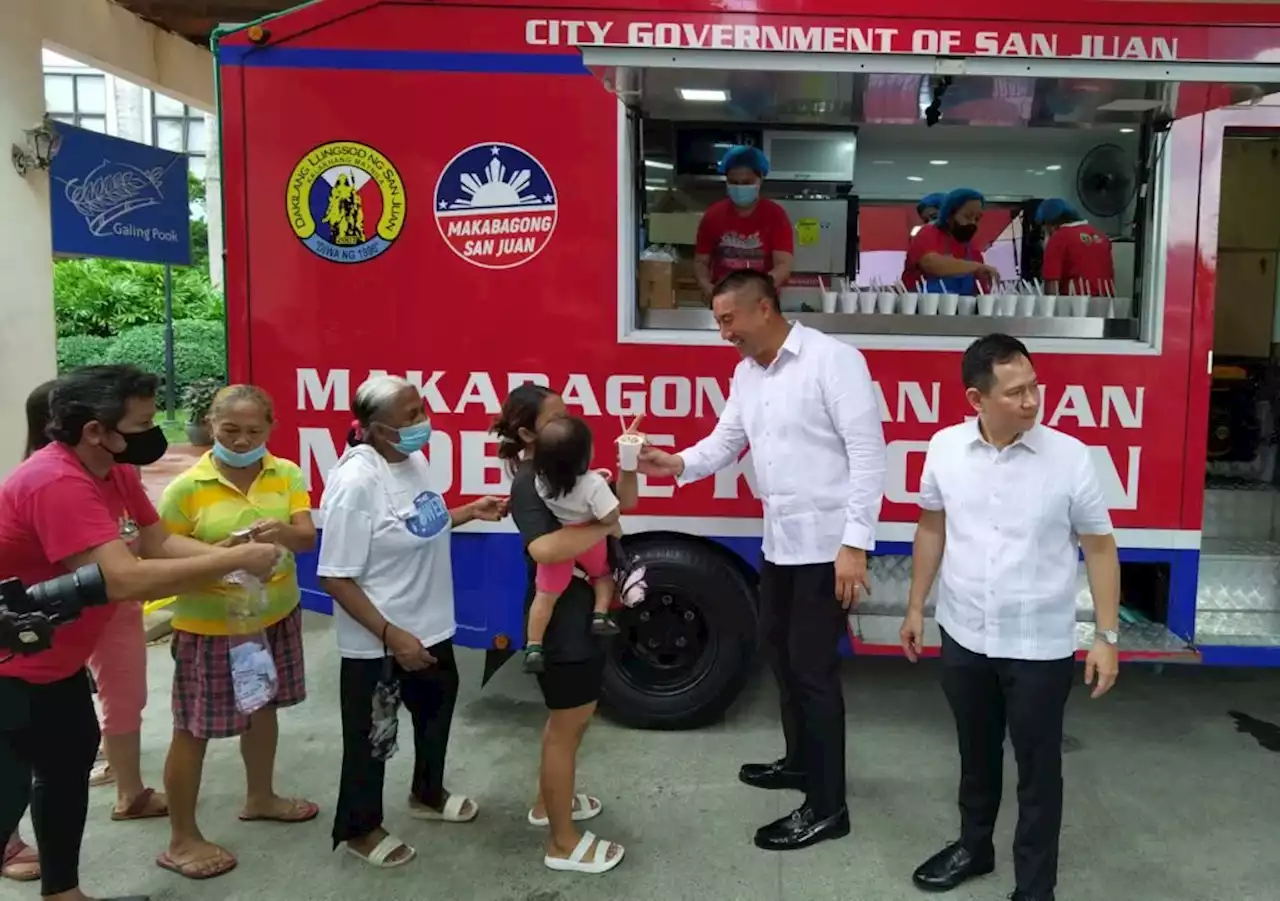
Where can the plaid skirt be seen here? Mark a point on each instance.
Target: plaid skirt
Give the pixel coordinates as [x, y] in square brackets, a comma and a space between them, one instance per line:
[204, 700]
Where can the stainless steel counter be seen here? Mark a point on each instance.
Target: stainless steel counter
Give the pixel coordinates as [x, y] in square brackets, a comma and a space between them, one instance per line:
[945, 326]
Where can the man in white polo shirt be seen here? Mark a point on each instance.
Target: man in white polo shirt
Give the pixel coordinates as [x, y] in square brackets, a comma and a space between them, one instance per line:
[1006, 504]
[805, 404]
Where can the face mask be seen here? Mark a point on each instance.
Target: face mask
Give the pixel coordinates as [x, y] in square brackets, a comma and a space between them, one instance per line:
[143, 448]
[743, 195]
[413, 438]
[964, 233]
[223, 454]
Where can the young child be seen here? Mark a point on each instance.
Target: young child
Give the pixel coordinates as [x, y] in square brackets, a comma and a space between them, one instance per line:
[577, 495]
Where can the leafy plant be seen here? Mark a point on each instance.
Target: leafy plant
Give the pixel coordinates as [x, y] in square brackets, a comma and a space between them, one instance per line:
[199, 350]
[105, 297]
[197, 398]
[75, 351]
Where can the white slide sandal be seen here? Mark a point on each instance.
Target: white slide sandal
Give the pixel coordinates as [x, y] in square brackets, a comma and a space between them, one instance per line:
[585, 808]
[600, 862]
[452, 812]
[379, 856]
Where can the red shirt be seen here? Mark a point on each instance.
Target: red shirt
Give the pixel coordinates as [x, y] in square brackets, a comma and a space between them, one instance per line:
[51, 509]
[1078, 257]
[734, 241]
[932, 239]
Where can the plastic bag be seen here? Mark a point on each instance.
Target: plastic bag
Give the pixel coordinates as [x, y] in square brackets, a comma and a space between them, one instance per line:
[386, 714]
[628, 574]
[662, 253]
[253, 670]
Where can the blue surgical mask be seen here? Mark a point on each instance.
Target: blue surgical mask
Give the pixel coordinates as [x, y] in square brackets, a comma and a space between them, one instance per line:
[413, 438]
[744, 195]
[237, 460]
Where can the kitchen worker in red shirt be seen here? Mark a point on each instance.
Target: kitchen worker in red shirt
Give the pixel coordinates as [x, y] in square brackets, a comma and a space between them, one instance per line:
[927, 210]
[1077, 257]
[944, 257]
[745, 230]
[78, 501]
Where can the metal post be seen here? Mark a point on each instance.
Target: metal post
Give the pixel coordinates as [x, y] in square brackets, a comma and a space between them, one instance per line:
[169, 375]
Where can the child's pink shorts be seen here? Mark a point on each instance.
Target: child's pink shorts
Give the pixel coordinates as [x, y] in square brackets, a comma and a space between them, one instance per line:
[554, 578]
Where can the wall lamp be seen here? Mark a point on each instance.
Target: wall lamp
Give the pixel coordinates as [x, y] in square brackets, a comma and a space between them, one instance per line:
[42, 144]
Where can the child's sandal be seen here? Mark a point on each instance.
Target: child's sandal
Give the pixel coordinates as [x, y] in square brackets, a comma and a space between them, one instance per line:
[603, 624]
[534, 660]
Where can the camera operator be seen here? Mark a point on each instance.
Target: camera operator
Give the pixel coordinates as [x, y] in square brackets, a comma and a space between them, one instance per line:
[80, 501]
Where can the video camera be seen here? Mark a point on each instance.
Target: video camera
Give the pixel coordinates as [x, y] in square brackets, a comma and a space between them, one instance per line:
[28, 616]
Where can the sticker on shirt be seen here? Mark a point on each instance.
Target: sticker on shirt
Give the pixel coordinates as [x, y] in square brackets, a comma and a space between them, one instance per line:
[129, 531]
[430, 517]
[495, 205]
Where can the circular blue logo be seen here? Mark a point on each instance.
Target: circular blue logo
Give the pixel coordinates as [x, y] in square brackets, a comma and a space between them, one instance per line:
[431, 516]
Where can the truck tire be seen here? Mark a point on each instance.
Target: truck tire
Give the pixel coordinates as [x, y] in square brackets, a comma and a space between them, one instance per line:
[685, 652]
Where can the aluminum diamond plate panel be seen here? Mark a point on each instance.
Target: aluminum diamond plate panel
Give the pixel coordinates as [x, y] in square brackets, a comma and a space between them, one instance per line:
[890, 578]
[1145, 639]
[1240, 510]
[1238, 595]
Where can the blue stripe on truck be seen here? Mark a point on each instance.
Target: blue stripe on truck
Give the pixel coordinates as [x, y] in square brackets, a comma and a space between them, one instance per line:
[401, 60]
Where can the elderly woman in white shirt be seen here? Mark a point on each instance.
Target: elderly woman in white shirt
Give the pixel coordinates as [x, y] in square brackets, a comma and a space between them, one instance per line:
[384, 557]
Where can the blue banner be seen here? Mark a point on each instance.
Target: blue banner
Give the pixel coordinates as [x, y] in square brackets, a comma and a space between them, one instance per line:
[115, 198]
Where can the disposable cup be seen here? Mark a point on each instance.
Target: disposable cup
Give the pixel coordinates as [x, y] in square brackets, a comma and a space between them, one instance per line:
[848, 301]
[929, 304]
[1046, 305]
[909, 303]
[968, 305]
[1006, 304]
[829, 301]
[867, 302]
[1121, 307]
[986, 304]
[1027, 305]
[1099, 307]
[1079, 306]
[885, 302]
[948, 304]
[629, 445]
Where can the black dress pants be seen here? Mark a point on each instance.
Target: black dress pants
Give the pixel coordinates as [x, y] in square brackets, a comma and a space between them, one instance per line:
[48, 741]
[429, 695]
[1028, 698]
[802, 622]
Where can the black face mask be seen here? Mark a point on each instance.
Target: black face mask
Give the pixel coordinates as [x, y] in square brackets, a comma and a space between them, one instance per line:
[143, 448]
[964, 233]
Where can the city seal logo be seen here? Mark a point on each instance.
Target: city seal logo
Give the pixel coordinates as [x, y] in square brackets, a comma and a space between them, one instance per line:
[495, 205]
[346, 202]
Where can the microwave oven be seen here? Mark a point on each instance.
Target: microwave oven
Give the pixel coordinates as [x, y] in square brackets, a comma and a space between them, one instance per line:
[816, 156]
[699, 149]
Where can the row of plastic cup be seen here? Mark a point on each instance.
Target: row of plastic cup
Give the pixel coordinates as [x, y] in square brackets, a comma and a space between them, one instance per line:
[1024, 305]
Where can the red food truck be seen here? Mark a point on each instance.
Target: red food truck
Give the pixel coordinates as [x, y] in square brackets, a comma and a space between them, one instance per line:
[474, 195]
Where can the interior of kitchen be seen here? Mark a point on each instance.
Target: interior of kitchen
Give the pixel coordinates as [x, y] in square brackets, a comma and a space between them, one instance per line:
[851, 155]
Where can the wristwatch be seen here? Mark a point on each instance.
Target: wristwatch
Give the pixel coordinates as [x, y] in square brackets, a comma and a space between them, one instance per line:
[1110, 636]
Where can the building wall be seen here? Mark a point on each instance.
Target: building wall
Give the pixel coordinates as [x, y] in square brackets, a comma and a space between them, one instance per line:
[90, 98]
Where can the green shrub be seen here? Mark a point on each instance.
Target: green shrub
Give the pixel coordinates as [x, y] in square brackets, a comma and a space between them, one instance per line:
[199, 350]
[105, 297]
[81, 350]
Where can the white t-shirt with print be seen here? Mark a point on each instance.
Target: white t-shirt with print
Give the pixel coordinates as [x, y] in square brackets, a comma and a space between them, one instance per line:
[384, 528]
[590, 500]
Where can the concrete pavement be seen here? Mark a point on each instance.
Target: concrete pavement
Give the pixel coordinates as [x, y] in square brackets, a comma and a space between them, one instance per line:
[1165, 799]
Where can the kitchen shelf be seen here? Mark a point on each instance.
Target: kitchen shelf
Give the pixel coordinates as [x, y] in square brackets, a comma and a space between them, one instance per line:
[919, 324]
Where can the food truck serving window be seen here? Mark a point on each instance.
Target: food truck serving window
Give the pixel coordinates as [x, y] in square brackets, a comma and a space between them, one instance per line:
[1059, 239]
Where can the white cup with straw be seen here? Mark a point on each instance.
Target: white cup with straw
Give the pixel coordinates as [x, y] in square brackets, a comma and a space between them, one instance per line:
[630, 442]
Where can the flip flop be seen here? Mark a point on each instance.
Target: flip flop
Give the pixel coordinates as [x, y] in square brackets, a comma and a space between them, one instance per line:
[21, 861]
[140, 808]
[585, 807]
[577, 862]
[192, 869]
[302, 811]
[452, 812]
[378, 857]
[101, 774]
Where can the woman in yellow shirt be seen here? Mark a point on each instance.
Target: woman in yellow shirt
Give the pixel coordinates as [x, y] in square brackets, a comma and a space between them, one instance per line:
[236, 492]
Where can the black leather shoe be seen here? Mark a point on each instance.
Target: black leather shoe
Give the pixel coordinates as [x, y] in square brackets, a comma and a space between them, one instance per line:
[802, 829]
[1023, 896]
[950, 867]
[772, 776]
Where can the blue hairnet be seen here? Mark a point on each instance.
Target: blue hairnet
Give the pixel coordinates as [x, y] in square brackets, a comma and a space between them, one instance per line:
[744, 155]
[1053, 209]
[956, 199]
[934, 200]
